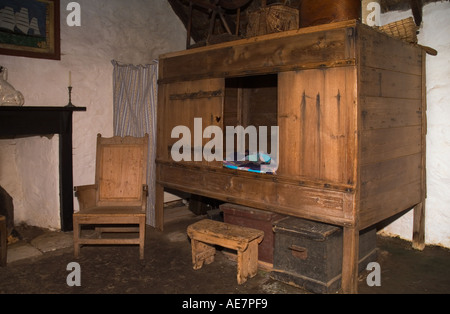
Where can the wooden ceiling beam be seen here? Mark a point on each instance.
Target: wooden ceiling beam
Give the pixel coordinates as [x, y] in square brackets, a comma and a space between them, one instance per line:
[416, 7]
[183, 15]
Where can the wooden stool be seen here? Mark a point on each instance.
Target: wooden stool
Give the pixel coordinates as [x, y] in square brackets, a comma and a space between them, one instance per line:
[207, 233]
[3, 241]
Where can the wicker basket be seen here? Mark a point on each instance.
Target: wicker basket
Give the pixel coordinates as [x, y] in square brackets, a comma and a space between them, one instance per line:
[272, 19]
[404, 29]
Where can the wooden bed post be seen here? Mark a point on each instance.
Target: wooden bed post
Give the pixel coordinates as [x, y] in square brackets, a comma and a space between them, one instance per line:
[350, 254]
[418, 242]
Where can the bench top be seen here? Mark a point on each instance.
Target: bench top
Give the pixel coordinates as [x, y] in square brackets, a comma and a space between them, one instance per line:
[207, 228]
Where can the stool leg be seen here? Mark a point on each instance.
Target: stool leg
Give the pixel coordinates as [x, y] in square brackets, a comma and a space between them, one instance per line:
[141, 238]
[76, 237]
[201, 253]
[247, 262]
[253, 258]
[3, 244]
[242, 266]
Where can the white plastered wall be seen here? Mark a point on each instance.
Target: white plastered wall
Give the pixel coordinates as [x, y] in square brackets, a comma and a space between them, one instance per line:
[132, 31]
[434, 32]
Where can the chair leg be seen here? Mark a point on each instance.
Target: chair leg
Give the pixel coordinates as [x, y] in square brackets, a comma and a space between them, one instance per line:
[3, 242]
[76, 236]
[159, 207]
[141, 237]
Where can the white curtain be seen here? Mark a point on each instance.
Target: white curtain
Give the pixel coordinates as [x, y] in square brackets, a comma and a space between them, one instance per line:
[135, 100]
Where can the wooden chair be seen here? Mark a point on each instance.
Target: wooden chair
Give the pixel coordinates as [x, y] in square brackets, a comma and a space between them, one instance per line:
[119, 196]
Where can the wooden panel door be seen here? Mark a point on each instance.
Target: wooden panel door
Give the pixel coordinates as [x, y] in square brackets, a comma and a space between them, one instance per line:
[180, 105]
[317, 124]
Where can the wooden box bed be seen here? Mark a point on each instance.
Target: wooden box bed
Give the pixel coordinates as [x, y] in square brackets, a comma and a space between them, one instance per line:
[349, 104]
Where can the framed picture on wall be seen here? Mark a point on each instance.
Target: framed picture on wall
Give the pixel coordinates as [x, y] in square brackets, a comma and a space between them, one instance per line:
[30, 28]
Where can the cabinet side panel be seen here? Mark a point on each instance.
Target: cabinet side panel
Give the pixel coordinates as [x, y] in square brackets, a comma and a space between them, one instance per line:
[391, 126]
[389, 187]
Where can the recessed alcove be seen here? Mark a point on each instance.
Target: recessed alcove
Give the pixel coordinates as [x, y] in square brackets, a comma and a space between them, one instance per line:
[251, 101]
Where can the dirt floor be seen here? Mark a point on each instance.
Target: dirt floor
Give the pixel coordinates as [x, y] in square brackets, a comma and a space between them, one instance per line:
[167, 269]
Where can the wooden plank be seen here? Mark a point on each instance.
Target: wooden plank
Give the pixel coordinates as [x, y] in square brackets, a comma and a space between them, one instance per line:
[291, 101]
[162, 130]
[418, 240]
[383, 144]
[120, 173]
[121, 241]
[201, 253]
[270, 56]
[424, 123]
[267, 194]
[388, 175]
[196, 95]
[316, 113]
[118, 162]
[238, 236]
[350, 253]
[338, 128]
[291, 33]
[382, 112]
[247, 262]
[384, 83]
[419, 209]
[378, 50]
[98, 219]
[389, 187]
[183, 102]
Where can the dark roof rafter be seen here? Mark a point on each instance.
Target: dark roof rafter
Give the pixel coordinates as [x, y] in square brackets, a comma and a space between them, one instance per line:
[201, 13]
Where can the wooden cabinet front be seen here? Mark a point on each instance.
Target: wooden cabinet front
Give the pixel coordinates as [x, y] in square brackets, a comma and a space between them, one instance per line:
[317, 120]
[188, 108]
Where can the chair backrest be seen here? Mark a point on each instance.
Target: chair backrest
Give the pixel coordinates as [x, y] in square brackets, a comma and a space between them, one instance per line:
[121, 170]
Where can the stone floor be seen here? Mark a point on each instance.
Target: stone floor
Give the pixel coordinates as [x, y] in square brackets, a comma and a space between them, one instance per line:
[39, 264]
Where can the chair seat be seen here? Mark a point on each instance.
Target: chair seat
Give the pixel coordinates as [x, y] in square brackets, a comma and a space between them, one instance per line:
[112, 211]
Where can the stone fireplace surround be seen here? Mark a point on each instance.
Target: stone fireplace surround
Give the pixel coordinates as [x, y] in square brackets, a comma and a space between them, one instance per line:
[31, 121]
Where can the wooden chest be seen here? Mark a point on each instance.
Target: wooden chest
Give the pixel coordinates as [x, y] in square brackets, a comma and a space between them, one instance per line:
[254, 218]
[308, 254]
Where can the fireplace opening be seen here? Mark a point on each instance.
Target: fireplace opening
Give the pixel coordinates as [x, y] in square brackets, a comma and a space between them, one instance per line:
[7, 210]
